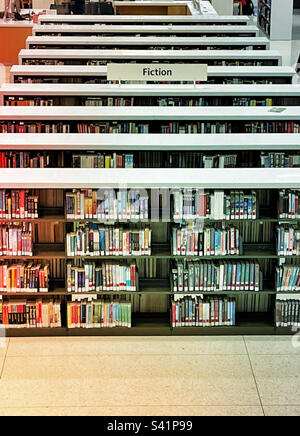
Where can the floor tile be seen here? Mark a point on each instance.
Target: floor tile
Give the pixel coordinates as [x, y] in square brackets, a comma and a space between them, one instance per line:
[282, 410]
[281, 366]
[88, 392]
[136, 411]
[272, 345]
[120, 367]
[135, 345]
[277, 378]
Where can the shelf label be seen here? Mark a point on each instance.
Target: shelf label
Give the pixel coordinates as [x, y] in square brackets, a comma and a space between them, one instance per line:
[157, 72]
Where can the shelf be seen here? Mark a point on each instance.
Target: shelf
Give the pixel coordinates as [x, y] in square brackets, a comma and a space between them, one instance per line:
[153, 142]
[177, 55]
[149, 113]
[156, 29]
[133, 19]
[107, 90]
[116, 41]
[69, 178]
[100, 70]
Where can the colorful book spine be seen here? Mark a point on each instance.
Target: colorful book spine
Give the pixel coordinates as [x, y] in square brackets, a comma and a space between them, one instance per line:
[98, 314]
[18, 204]
[104, 277]
[24, 278]
[199, 311]
[100, 160]
[288, 241]
[210, 241]
[95, 240]
[107, 204]
[44, 313]
[289, 204]
[16, 240]
[287, 311]
[191, 204]
[288, 278]
[188, 276]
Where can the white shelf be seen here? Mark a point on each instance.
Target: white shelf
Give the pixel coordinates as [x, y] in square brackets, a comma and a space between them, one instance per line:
[129, 55]
[149, 113]
[145, 41]
[92, 19]
[98, 28]
[69, 178]
[94, 90]
[153, 142]
[89, 70]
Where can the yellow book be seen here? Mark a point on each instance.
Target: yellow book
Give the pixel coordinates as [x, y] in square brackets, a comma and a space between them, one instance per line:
[107, 161]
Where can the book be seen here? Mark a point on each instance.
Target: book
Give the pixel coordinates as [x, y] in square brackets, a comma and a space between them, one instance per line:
[208, 276]
[202, 311]
[92, 239]
[93, 313]
[25, 313]
[107, 204]
[24, 277]
[206, 241]
[92, 277]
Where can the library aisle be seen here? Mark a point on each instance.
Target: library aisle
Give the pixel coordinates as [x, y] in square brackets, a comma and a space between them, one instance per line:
[148, 376]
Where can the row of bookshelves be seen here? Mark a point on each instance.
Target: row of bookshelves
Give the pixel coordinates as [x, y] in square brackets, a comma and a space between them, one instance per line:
[102, 57]
[85, 74]
[170, 20]
[212, 95]
[187, 311]
[152, 31]
[145, 43]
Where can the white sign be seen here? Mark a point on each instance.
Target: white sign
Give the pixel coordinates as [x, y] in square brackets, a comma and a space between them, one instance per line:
[157, 72]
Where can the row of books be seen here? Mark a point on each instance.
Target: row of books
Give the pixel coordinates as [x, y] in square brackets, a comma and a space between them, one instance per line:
[192, 204]
[279, 160]
[16, 239]
[288, 241]
[196, 241]
[104, 277]
[145, 47]
[34, 127]
[196, 311]
[33, 101]
[24, 277]
[289, 204]
[170, 101]
[197, 127]
[98, 314]
[149, 159]
[26, 313]
[95, 240]
[209, 61]
[188, 276]
[288, 278]
[288, 312]
[16, 203]
[112, 127]
[101, 80]
[24, 159]
[102, 160]
[107, 204]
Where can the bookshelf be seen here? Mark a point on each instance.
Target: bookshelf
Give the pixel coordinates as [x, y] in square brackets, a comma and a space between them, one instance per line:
[207, 19]
[211, 57]
[95, 74]
[149, 95]
[271, 15]
[145, 43]
[249, 180]
[126, 30]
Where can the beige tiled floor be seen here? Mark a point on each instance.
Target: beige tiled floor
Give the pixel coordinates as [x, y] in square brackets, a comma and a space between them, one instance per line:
[150, 376]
